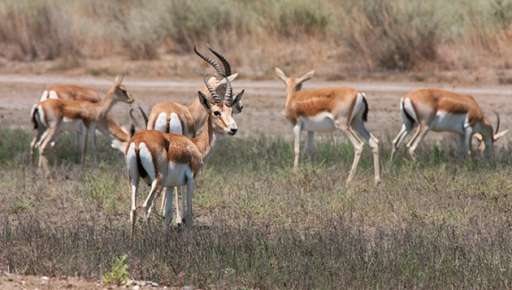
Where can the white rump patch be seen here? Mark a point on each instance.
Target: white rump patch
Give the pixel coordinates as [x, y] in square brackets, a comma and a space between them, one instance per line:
[42, 118]
[161, 122]
[321, 122]
[147, 161]
[131, 161]
[175, 124]
[409, 108]
[359, 106]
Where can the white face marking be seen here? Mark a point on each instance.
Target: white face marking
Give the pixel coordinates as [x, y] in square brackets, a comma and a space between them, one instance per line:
[131, 162]
[322, 122]
[175, 124]
[161, 122]
[176, 174]
[147, 161]
[445, 121]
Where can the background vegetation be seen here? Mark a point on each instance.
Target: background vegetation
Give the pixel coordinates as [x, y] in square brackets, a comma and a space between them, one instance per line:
[436, 223]
[367, 35]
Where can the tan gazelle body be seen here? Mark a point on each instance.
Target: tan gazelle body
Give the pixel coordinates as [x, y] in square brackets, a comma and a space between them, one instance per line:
[167, 160]
[48, 117]
[440, 110]
[327, 110]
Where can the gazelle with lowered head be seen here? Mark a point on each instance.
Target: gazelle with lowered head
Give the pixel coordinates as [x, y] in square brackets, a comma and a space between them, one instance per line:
[327, 110]
[72, 92]
[440, 110]
[166, 160]
[50, 115]
[173, 117]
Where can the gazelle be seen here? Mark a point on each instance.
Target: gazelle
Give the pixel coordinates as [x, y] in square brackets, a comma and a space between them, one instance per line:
[172, 117]
[72, 92]
[166, 160]
[49, 116]
[444, 111]
[326, 110]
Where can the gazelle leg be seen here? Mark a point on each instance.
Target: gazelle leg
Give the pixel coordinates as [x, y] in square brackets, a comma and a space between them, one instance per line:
[93, 144]
[47, 138]
[155, 188]
[468, 134]
[168, 191]
[83, 145]
[163, 202]
[296, 146]
[134, 183]
[373, 142]
[310, 144]
[190, 190]
[358, 149]
[421, 135]
[179, 216]
[399, 139]
[35, 141]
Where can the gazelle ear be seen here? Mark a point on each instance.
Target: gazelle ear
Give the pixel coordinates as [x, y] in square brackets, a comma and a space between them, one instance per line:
[280, 74]
[237, 103]
[230, 78]
[500, 134]
[118, 80]
[305, 77]
[204, 100]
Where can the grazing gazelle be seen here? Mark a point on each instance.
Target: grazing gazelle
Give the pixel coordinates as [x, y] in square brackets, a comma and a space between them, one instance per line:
[166, 160]
[172, 117]
[326, 110]
[49, 116]
[444, 111]
[73, 92]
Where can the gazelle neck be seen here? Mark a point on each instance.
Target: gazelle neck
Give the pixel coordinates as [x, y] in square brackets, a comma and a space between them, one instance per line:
[199, 114]
[205, 139]
[104, 106]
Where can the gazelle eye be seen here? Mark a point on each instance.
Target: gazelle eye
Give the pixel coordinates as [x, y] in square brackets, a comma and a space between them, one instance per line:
[216, 113]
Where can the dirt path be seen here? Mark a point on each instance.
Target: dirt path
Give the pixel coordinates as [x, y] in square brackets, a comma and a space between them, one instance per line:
[264, 100]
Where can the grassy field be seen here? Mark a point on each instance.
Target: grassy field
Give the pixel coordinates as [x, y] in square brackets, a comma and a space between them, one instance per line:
[435, 223]
[357, 36]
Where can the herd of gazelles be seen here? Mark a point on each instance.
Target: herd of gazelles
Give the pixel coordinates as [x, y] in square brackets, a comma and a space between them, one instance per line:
[170, 152]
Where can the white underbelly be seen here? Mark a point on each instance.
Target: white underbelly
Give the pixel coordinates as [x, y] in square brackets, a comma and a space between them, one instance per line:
[448, 122]
[177, 174]
[323, 122]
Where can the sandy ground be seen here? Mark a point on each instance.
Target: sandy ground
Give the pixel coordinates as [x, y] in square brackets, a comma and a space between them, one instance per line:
[263, 101]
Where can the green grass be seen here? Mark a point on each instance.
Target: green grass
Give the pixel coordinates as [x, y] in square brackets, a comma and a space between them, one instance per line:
[432, 223]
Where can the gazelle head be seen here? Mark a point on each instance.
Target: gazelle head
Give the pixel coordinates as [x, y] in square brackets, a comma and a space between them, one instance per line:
[488, 136]
[220, 108]
[119, 92]
[293, 84]
[224, 75]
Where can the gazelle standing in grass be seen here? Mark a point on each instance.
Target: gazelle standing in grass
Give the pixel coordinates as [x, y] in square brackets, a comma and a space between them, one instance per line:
[166, 160]
[50, 115]
[327, 110]
[76, 93]
[444, 111]
[173, 117]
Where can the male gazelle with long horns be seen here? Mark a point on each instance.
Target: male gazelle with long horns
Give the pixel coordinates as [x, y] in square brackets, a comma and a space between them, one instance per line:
[326, 110]
[444, 111]
[166, 160]
[173, 117]
[50, 115]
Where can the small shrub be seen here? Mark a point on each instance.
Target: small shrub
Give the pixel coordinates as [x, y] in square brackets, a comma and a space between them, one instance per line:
[119, 274]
